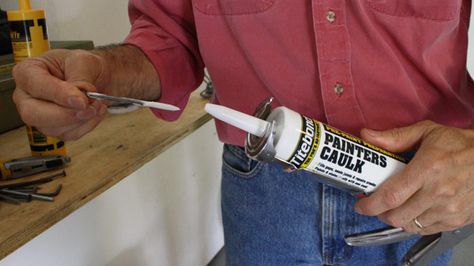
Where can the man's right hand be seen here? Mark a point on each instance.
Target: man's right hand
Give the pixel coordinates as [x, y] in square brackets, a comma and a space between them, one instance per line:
[49, 92]
[50, 89]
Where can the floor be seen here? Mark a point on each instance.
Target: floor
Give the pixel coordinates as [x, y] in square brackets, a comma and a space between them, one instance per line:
[463, 255]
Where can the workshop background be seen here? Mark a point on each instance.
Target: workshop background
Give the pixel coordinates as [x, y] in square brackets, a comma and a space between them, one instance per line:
[100, 232]
[166, 213]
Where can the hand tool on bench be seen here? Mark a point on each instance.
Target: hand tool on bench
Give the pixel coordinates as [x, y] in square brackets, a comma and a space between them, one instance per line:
[32, 165]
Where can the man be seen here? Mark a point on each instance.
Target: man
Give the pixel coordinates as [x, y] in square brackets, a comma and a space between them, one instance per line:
[398, 67]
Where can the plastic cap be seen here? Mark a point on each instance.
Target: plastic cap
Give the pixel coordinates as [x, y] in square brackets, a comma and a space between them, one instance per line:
[24, 4]
[248, 123]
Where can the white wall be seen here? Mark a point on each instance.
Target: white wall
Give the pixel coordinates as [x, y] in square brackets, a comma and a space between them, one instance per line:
[103, 21]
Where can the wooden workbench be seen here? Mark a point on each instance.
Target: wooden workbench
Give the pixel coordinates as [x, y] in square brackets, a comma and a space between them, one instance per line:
[117, 147]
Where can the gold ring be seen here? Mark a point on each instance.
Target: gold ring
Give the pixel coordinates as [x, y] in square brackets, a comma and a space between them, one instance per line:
[418, 224]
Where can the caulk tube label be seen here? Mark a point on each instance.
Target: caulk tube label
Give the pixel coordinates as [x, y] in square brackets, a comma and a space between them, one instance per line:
[342, 159]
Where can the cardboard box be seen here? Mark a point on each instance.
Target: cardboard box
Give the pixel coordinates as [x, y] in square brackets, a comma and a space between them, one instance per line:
[9, 117]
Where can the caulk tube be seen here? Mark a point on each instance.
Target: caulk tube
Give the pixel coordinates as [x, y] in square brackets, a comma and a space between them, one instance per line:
[299, 142]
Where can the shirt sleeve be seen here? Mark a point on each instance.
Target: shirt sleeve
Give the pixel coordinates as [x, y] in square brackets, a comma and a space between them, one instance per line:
[164, 30]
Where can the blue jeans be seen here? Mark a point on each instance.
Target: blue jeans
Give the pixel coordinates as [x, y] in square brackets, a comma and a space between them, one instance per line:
[275, 218]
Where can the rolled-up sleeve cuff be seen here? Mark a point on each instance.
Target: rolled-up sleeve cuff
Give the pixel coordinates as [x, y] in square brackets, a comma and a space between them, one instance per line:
[179, 73]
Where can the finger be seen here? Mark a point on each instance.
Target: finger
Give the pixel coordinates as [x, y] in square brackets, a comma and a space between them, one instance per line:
[412, 227]
[43, 114]
[427, 220]
[450, 204]
[59, 131]
[34, 78]
[436, 228]
[447, 217]
[87, 126]
[75, 131]
[392, 193]
[398, 139]
[404, 215]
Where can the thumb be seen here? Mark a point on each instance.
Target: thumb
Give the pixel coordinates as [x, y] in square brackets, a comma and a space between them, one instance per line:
[398, 139]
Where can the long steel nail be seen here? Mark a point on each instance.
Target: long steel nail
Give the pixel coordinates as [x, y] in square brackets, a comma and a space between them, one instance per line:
[10, 199]
[35, 182]
[29, 195]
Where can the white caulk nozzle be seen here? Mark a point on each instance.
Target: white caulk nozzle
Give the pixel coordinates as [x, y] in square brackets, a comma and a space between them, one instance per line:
[248, 123]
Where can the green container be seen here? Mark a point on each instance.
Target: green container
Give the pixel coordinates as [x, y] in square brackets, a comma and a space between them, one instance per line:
[9, 117]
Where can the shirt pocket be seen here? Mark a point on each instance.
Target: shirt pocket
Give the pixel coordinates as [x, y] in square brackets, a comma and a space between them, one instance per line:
[232, 7]
[438, 10]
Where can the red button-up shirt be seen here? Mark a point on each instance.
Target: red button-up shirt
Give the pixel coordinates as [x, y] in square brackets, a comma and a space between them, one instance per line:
[361, 63]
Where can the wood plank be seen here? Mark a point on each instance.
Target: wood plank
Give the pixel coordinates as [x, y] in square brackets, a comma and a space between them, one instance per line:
[120, 145]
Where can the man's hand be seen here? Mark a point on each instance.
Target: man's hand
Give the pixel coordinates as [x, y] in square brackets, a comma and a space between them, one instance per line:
[50, 89]
[48, 92]
[436, 187]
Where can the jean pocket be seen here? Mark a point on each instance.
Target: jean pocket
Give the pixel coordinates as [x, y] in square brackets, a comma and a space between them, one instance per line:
[437, 10]
[232, 7]
[237, 162]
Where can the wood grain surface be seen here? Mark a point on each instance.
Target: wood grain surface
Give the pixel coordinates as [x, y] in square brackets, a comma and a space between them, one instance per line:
[117, 147]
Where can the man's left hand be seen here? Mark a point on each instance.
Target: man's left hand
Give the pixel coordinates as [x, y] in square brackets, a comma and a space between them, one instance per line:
[436, 187]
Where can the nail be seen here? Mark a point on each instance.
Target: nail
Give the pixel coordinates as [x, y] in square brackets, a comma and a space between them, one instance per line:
[76, 102]
[28, 195]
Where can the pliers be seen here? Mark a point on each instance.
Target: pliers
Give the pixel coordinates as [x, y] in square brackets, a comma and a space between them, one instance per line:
[423, 251]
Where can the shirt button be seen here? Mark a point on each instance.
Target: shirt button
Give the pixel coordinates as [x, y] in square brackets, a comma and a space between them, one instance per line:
[338, 89]
[331, 16]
